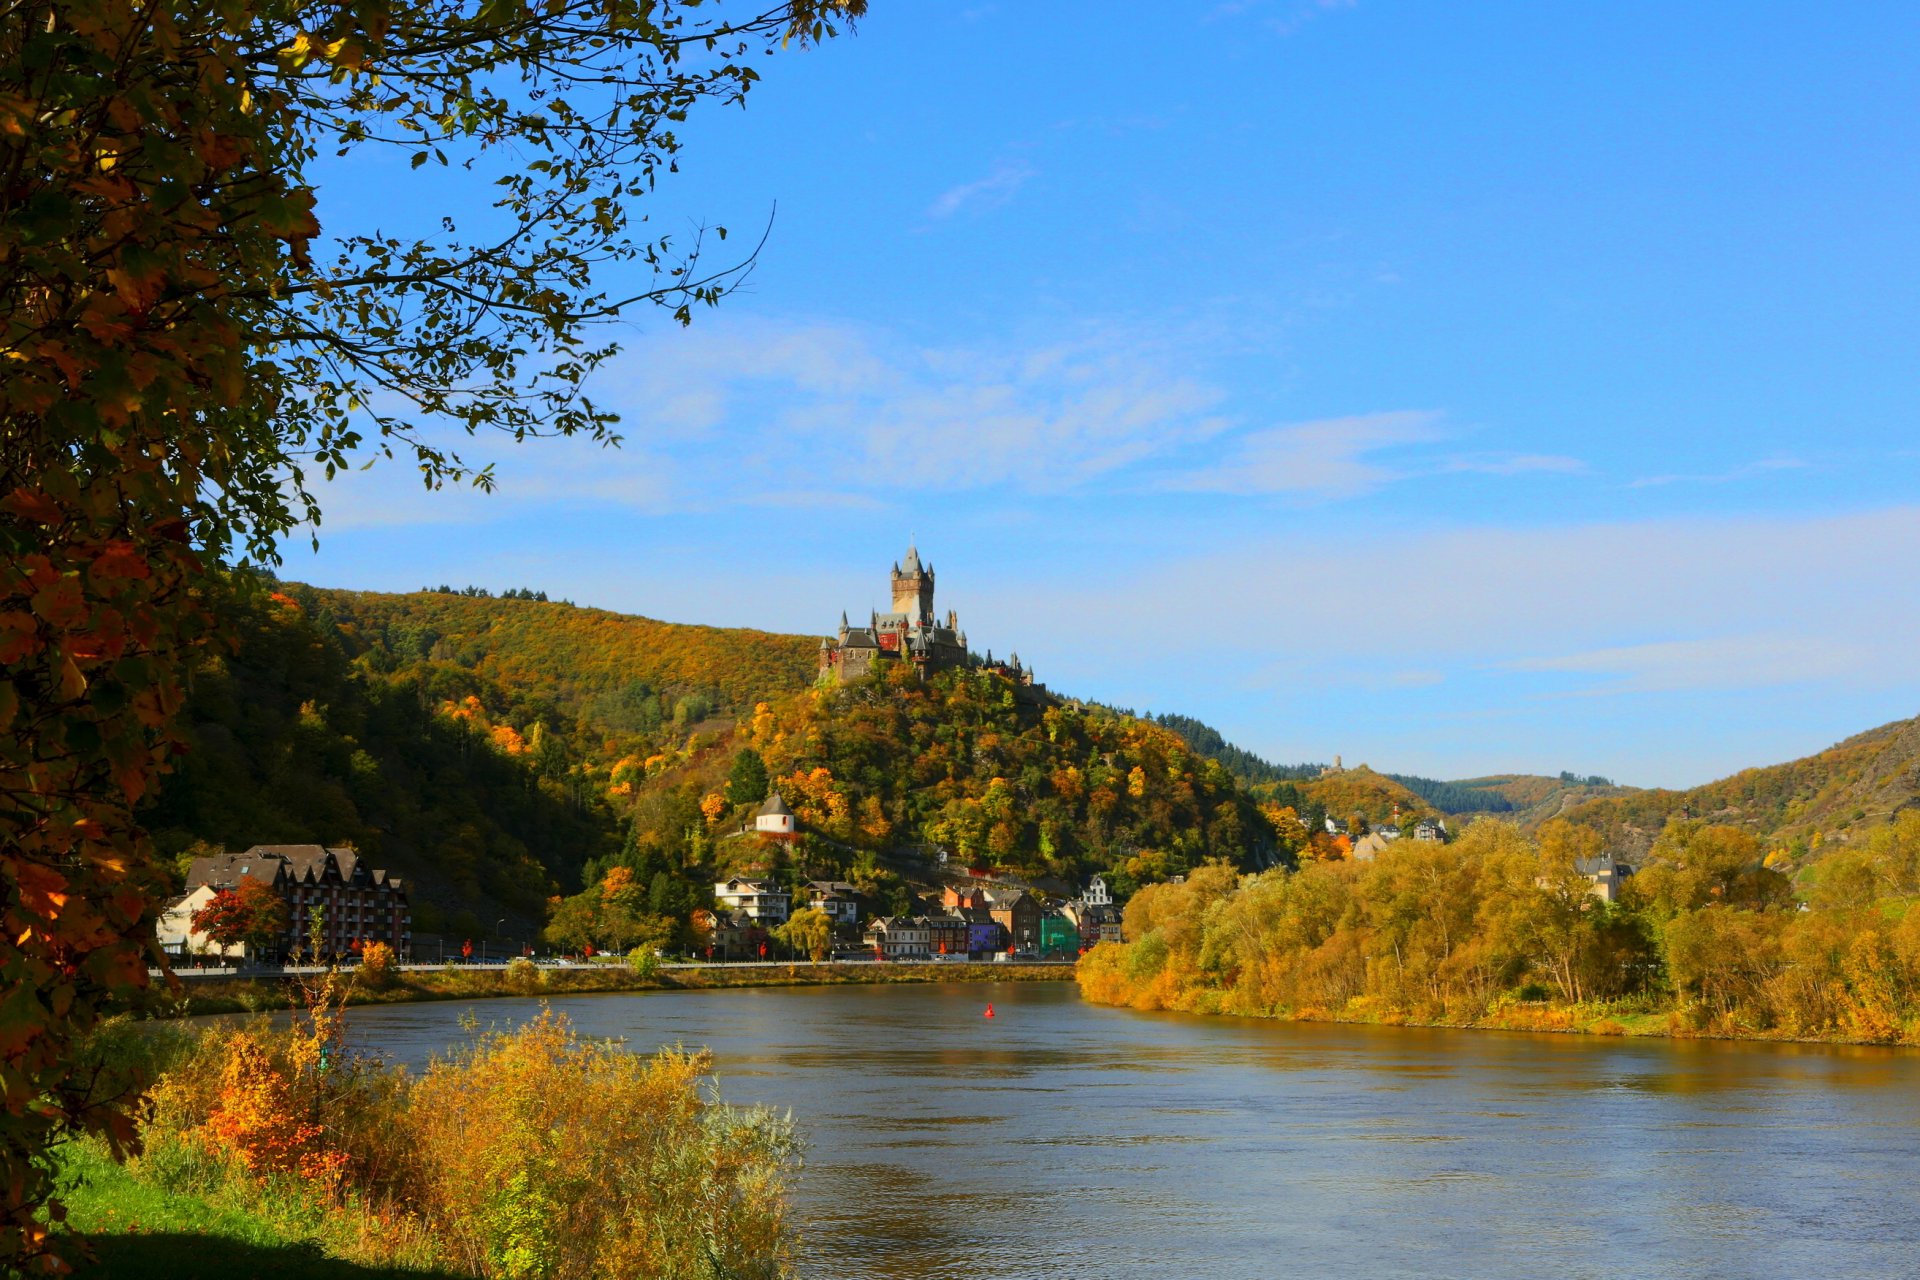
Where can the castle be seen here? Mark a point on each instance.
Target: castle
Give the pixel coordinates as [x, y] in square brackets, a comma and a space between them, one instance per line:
[910, 633]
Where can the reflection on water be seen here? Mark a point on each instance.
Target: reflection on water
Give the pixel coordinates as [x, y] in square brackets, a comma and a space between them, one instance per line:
[1063, 1140]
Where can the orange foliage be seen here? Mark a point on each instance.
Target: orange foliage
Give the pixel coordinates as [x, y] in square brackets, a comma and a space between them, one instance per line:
[257, 1118]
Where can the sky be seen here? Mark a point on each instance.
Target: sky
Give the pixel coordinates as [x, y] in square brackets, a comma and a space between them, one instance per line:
[1512, 387]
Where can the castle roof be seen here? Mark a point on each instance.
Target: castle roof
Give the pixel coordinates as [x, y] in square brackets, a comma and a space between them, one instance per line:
[860, 638]
[911, 564]
[773, 807]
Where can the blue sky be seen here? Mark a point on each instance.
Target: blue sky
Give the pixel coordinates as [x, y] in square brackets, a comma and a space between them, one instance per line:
[1459, 389]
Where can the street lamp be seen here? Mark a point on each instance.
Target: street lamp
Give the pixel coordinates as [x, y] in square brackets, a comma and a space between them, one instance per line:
[500, 927]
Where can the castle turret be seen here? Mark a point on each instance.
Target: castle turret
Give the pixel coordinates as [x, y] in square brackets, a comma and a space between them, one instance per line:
[913, 589]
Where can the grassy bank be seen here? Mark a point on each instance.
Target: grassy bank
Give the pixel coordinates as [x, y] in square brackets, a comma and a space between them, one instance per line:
[276, 1149]
[141, 1228]
[252, 995]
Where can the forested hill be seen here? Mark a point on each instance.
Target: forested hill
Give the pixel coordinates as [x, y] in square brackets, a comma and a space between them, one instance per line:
[496, 750]
[884, 770]
[1341, 792]
[1243, 764]
[588, 664]
[1836, 794]
[467, 742]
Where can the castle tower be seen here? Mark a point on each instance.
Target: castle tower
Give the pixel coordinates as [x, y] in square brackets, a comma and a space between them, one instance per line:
[913, 590]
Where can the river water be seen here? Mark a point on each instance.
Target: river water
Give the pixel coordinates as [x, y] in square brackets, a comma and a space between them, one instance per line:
[1061, 1139]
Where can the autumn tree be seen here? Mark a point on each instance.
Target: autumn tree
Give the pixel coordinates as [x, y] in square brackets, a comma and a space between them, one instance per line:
[808, 930]
[184, 354]
[252, 915]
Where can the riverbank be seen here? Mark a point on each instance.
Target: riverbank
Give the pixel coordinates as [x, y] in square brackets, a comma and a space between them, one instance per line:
[1643, 1017]
[198, 996]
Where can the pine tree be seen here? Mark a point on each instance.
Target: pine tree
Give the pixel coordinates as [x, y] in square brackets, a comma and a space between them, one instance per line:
[747, 783]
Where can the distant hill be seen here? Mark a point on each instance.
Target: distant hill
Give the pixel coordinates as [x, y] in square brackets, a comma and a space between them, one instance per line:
[1243, 764]
[1528, 797]
[1837, 793]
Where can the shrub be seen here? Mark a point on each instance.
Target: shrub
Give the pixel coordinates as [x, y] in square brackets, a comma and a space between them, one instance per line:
[643, 962]
[597, 1162]
[377, 968]
[524, 976]
[529, 1154]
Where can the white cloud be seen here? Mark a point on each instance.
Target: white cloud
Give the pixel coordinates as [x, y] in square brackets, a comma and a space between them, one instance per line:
[1518, 613]
[1329, 457]
[1717, 662]
[1759, 467]
[1516, 464]
[982, 194]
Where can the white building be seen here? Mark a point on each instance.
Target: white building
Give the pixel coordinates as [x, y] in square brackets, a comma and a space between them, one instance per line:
[763, 902]
[901, 937]
[180, 939]
[773, 818]
[1098, 895]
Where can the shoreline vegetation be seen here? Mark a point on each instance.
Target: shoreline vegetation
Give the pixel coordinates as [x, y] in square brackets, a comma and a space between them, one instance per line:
[263, 993]
[268, 1147]
[530, 1154]
[1500, 930]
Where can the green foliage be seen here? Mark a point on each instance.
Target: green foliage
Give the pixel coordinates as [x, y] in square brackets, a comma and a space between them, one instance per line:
[969, 762]
[1490, 927]
[1454, 797]
[1242, 764]
[747, 780]
[809, 932]
[289, 740]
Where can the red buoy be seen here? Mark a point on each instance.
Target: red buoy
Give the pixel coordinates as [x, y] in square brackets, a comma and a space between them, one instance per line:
[989, 1012]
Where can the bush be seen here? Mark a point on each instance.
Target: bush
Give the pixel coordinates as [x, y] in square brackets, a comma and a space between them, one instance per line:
[643, 962]
[547, 1155]
[524, 976]
[377, 967]
[526, 1154]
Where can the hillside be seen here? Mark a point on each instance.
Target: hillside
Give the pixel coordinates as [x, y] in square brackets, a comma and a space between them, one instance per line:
[500, 751]
[467, 742]
[1834, 794]
[608, 670]
[290, 739]
[886, 770]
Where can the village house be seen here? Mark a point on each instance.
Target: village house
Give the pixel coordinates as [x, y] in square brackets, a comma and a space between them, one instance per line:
[1604, 875]
[837, 900]
[947, 935]
[1430, 829]
[1059, 936]
[763, 902]
[900, 937]
[733, 935]
[358, 904]
[1017, 912]
[1369, 846]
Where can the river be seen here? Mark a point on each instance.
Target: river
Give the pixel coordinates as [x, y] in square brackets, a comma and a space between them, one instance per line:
[1061, 1139]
